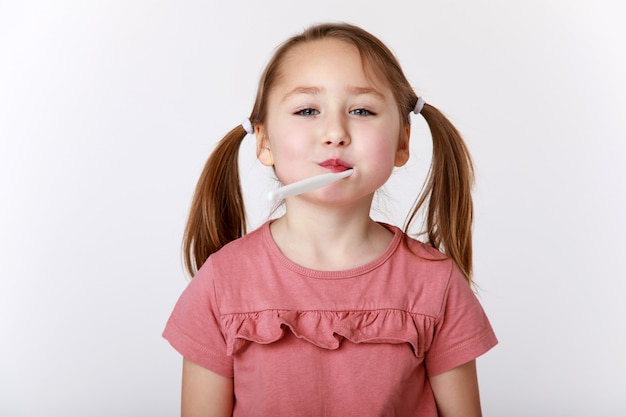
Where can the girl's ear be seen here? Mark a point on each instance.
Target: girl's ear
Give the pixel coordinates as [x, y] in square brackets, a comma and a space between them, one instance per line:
[402, 153]
[263, 152]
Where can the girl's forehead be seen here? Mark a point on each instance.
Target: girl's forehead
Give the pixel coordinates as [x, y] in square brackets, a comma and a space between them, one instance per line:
[327, 61]
[320, 46]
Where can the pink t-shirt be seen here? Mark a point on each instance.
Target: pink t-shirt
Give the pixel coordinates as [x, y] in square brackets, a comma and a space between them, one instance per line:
[301, 342]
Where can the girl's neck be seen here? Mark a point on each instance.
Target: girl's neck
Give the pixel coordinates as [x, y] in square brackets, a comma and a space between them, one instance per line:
[330, 239]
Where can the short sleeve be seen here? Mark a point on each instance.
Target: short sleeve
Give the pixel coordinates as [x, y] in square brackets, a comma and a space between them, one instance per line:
[462, 331]
[193, 328]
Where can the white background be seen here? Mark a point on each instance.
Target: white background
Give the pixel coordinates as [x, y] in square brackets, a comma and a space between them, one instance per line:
[109, 109]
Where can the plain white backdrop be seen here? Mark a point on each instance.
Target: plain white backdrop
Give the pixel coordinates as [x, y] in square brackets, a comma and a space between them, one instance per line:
[109, 109]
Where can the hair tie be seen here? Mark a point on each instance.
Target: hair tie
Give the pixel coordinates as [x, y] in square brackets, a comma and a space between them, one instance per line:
[247, 126]
[419, 105]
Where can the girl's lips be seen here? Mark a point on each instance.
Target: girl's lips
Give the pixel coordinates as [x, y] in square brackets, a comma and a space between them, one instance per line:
[335, 165]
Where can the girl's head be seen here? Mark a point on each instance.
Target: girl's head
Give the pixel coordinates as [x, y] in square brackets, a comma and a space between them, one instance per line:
[217, 215]
[325, 112]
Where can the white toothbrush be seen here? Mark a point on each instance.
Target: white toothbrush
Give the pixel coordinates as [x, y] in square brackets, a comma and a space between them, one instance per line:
[308, 184]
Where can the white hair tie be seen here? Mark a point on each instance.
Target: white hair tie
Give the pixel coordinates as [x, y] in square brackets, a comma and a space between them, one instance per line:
[419, 105]
[247, 126]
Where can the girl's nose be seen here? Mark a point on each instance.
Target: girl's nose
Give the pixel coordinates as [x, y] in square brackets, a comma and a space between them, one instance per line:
[336, 132]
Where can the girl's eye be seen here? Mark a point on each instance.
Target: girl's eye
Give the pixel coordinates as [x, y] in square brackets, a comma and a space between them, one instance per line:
[361, 112]
[307, 112]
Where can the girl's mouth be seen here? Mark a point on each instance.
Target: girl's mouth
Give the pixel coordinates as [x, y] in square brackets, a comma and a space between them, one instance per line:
[335, 165]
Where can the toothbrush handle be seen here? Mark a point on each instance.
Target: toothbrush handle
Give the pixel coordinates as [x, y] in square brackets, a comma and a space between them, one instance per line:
[307, 184]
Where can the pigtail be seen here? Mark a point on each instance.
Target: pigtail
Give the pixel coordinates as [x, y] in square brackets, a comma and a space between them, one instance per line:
[217, 214]
[448, 192]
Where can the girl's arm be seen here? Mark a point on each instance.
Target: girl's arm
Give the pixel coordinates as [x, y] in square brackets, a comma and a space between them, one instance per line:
[205, 393]
[456, 392]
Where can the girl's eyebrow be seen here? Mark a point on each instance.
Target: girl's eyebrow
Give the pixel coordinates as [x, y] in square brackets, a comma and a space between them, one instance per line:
[354, 90]
[302, 90]
[357, 91]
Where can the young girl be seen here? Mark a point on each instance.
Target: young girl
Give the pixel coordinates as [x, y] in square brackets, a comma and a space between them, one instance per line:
[323, 311]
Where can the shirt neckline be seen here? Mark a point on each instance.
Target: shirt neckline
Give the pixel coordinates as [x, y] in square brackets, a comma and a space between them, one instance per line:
[276, 254]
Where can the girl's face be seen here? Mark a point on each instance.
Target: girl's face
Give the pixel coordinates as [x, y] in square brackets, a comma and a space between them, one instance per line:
[326, 115]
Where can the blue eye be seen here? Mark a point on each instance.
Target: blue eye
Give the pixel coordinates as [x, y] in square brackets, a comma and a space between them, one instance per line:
[307, 112]
[361, 112]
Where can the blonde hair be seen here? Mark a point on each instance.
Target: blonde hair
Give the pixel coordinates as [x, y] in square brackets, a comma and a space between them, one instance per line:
[218, 216]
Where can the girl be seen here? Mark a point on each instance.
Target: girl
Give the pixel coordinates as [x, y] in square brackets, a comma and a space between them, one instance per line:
[323, 311]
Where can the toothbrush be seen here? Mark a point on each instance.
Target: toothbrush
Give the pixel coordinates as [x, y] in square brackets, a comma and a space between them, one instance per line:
[308, 184]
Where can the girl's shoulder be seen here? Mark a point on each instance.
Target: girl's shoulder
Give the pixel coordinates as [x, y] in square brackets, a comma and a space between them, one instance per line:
[415, 248]
[246, 245]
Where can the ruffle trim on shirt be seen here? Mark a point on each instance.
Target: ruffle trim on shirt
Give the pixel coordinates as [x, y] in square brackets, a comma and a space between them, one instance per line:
[327, 329]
